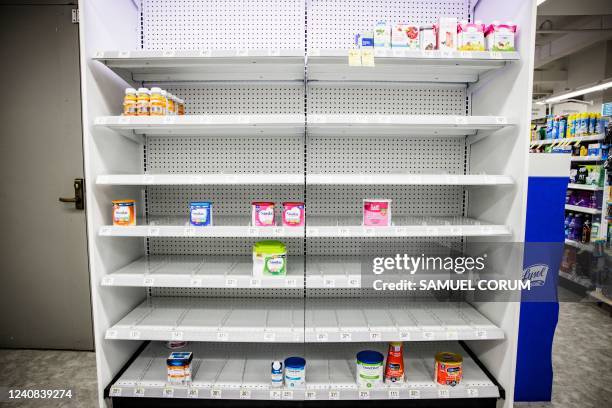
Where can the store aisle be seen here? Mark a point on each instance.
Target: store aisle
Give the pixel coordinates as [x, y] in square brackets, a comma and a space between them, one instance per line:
[582, 350]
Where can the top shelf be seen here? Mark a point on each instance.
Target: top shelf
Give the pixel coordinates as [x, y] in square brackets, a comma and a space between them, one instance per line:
[401, 65]
[205, 65]
[392, 65]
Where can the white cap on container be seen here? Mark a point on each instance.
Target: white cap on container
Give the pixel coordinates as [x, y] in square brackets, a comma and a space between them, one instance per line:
[156, 90]
[130, 90]
[143, 90]
[164, 92]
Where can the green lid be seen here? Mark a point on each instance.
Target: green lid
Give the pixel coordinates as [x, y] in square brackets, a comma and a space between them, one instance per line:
[270, 247]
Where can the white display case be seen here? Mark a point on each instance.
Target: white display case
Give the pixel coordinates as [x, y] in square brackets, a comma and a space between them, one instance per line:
[275, 113]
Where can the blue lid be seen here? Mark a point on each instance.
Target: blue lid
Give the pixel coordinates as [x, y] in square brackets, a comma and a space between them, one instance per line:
[295, 362]
[370, 357]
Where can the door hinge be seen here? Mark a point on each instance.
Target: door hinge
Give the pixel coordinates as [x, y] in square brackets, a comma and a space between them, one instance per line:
[75, 16]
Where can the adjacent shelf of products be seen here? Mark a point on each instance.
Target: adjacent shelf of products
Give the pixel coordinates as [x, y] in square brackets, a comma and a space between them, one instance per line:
[199, 179]
[586, 158]
[581, 209]
[403, 125]
[283, 320]
[243, 372]
[204, 125]
[587, 187]
[311, 179]
[326, 226]
[582, 281]
[570, 140]
[409, 179]
[196, 271]
[205, 65]
[579, 245]
[402, 65]
[224, 226]
[600, 297]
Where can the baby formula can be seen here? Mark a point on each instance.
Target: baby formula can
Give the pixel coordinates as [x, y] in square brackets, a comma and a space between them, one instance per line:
[124, 212]
[262, 214]
[295, 372]
[269, 259]
[293, 214]
[200, 213]
[369, 369]
[448, 368]
[377, 213]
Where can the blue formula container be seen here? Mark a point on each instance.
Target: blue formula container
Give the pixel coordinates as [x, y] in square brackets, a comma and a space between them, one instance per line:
[200, 213]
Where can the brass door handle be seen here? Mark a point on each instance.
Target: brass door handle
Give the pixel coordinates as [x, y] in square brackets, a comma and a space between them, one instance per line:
[79, 197]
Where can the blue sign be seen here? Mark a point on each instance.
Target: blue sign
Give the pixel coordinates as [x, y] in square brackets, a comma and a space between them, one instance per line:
[606, 109]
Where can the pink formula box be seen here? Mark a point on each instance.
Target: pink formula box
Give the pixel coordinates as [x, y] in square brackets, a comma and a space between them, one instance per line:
[376, 213]
[293, 214]
[262, 214]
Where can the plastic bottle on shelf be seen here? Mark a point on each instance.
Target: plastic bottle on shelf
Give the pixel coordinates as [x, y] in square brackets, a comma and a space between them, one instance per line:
[129, 102]
[143, 102]
[590, 129]
[549, 126]
[586, 231]
[181, 107]
[164, 95]
[170, 105]
[176, 104]
[567, 224]
[598, 123]
[555, 129]
[562, 126]
[157, 105]
[573, 227]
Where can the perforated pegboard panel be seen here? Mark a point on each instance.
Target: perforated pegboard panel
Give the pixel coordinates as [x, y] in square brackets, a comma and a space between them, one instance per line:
[231, 292]
[381, 246]
[387, 100]
[227, 200]
[385, 155]
[241, 99]
[333, 24]
[422, 200]
[222, 24]
[225, 154]
[216, 246]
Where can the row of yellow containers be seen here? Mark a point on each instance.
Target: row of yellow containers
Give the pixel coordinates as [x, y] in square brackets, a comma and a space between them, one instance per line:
[153, 102]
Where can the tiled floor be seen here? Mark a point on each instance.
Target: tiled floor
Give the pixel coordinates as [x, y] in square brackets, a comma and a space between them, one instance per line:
[582, 357]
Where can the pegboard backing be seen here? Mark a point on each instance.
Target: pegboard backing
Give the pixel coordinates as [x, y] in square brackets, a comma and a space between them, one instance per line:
[386, 155]
[415, 201]
[381, 246]
[387, 100]
[215, 246]
[222, 24]
[227, 200]
[241, 100]
[230, 293]
[333, 24]
[225, 154]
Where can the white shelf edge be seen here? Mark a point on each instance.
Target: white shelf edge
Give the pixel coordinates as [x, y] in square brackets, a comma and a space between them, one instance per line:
[311, 179]
[571, 140]
[586, 187]
[199, 179]
[586, 210]
[408, 179]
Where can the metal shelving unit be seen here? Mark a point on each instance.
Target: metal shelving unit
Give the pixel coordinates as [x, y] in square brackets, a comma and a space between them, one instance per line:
[215, 368]
[275, 113]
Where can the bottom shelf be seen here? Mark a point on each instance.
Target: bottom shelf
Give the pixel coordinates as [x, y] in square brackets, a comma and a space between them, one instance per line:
[242, 371]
